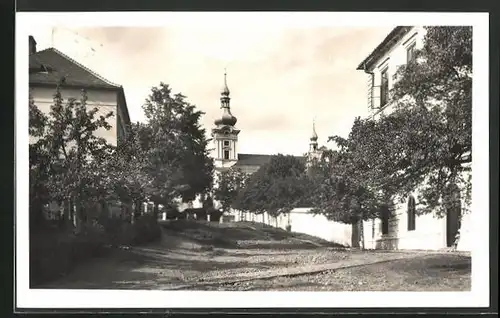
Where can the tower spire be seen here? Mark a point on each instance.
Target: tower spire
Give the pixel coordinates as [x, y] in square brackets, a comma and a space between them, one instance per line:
[225, 89]
[314, 137]
[227, 117]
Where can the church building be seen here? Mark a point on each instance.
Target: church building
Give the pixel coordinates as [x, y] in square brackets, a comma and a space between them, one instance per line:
[225, 137]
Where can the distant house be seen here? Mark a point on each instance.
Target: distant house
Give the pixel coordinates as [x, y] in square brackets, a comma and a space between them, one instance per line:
[50, 67]
[405, 229]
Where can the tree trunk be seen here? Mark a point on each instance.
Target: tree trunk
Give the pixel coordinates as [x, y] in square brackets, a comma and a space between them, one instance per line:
[155, 210]
[137, 210]
[78, 216]
[457, 236]
[355, 235]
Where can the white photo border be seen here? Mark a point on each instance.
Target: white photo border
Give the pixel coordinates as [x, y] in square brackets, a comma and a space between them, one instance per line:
[54, 298]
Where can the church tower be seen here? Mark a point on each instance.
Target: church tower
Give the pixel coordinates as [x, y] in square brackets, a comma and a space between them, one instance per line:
[224, 134]
[314, 152]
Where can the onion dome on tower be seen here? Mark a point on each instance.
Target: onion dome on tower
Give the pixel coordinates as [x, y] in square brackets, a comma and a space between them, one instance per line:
[314, 139]
[227, 118]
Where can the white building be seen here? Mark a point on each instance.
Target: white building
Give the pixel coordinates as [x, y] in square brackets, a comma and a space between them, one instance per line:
[50, 67]
[405, 229]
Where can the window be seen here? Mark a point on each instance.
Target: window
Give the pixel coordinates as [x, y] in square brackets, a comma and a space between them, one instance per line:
[410, 52]
[226, 143]
[226, 154]
[385, 220]
[384, 88]
[411, 213]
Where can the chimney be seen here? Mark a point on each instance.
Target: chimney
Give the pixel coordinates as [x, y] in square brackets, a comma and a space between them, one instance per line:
[32, 46]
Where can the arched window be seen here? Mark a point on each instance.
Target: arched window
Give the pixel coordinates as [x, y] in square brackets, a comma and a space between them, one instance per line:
[411, 213]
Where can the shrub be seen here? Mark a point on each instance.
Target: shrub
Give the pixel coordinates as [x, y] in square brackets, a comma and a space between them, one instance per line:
[215, 214]
[144, 230]
[53, 254]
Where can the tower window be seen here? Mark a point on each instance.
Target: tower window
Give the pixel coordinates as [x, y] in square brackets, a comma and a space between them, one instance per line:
[226, 154]
[411, 213]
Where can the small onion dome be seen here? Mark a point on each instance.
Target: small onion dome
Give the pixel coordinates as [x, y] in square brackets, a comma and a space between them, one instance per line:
[227, 119]
[225, 89]
[314, 136]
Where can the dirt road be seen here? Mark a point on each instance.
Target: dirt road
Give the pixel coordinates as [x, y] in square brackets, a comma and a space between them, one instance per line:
[248, 258]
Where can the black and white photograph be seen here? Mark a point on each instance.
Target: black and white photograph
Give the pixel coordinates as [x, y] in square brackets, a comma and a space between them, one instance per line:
[317, 153]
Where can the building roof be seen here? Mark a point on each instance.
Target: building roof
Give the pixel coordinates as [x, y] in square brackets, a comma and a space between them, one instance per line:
[49, 66]
[395, 35]
[245, 159]
[255, 159]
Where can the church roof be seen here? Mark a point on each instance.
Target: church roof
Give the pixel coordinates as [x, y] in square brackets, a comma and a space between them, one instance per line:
[47, 67]
[255, 159]
[252, 159]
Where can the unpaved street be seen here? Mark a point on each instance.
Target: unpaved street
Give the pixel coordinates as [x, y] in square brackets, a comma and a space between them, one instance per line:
[249, 258]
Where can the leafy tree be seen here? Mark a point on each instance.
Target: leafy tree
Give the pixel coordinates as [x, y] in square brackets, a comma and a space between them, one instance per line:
[178, 157]
[71, 154]
[227, 187]
[435, 95]
[39, 163]
[425, 142]
[277, 187]
[128, 168]
[340, 190]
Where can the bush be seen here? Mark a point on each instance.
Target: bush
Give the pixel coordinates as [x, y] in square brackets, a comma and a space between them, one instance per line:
[215, 214]
[144, 230]
[172, 213]
[55, 253]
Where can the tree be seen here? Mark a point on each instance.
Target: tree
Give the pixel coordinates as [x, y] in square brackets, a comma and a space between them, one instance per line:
[340, 190]
[178, 158]
[277, 186]
[425, 143]
[128, 168]
[227, 187]
[70, 154]
[436, 91]
[39, 163]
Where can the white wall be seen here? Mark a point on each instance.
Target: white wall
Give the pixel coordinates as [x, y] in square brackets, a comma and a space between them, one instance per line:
[302, 221]
[429, 233]
[105, 101]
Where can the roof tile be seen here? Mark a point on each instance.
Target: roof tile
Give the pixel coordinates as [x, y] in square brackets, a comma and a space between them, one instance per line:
[60, 66]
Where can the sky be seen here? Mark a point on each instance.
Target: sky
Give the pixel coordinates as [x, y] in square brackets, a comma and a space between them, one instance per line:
[280, 77]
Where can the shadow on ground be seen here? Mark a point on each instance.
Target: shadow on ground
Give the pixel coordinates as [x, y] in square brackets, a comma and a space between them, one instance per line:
[242, 235]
